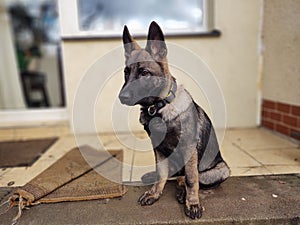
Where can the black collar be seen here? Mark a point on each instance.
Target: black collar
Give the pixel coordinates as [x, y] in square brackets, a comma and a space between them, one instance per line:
[153, 109]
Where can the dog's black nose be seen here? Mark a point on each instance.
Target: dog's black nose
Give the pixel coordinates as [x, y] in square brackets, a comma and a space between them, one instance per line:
[125, 97]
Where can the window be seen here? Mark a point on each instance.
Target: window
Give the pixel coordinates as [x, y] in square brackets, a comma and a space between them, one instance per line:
[102, 18]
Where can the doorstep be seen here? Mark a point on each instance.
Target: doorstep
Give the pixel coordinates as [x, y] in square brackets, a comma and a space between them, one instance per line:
[272, 199]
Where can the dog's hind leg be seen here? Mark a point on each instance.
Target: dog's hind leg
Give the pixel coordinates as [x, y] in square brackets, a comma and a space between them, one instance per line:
[180, 190]
[214, 176]
[192, 206]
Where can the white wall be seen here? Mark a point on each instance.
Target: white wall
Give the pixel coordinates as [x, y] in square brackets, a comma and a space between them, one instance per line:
[233, 58]
[282, 51]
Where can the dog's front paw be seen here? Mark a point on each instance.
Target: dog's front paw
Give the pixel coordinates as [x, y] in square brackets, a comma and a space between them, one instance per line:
[193, 211]
[148, 198]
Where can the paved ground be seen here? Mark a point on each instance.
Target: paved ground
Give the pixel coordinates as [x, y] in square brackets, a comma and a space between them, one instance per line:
[248, 152]
[240, 200]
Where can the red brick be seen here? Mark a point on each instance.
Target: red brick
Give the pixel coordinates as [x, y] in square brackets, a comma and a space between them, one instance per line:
[295, 134]
[282, 107]
[267, 104]
[265, 114]
[296, 110]
[297, 130]
[290, 120]
[275, 116]
[268, 124]
[282, 129]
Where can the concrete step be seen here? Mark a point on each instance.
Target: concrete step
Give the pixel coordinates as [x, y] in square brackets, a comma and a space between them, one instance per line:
[239, 200]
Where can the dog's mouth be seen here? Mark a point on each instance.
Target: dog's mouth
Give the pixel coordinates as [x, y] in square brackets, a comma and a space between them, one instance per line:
[127, 102]
[131, 100]
[131, 97]
[144, 91]
[127, 98]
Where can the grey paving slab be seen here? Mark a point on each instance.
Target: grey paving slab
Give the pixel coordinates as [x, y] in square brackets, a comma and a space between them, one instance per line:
[240, 200]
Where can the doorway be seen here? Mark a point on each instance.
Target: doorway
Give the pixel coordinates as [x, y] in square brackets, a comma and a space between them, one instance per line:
[31, 78]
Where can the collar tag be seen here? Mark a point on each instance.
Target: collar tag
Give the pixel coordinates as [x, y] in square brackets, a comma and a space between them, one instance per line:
[152, 110]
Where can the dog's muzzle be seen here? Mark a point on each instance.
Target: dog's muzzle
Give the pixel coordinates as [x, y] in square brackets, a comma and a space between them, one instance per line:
[126, 98]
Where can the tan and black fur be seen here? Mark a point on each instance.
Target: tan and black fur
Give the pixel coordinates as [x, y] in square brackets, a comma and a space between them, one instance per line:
[182, 135]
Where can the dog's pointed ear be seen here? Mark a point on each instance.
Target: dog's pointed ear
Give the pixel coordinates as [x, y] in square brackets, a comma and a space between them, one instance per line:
[129, 43]
[156, 45]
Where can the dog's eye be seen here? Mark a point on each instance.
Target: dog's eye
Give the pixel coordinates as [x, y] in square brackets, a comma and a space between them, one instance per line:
[144, 72]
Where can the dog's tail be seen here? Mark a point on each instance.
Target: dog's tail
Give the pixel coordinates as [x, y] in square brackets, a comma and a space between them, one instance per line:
[213, 177]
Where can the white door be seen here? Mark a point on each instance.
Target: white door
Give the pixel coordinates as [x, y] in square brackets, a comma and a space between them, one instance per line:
[14, 108]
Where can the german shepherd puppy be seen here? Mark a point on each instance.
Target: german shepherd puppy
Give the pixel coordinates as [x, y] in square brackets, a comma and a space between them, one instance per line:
[182, 135]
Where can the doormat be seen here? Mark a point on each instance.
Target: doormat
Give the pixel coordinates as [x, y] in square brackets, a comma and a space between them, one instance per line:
[23, 153]
[71, 178]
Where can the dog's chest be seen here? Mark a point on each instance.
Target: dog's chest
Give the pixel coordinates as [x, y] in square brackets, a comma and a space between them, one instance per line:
[164, 135]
